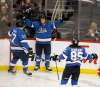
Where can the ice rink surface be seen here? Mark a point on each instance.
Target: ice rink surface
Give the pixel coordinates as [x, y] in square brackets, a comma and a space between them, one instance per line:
[43, 79]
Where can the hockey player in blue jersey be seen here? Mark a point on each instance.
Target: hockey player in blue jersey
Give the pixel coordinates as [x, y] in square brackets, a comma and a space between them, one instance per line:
[19, 48]
[43, 35]
[73, 55]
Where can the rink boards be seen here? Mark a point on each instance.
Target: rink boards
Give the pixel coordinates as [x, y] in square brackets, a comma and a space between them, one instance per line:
[57, 48]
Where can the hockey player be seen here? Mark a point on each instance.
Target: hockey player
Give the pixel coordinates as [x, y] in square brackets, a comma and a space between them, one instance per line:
[19, 48]
[73, 55]
[43, 35]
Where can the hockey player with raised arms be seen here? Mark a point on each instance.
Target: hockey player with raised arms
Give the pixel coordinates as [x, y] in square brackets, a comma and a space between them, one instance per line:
[19, 48]
[43, 35]
[74, 54]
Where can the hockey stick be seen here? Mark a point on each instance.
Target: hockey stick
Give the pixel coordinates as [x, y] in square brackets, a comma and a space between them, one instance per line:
[57, 70]
[56, 65]
[55, 11]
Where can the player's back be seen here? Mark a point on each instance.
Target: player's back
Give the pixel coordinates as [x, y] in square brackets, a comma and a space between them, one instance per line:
[74, 55]
[17, 35]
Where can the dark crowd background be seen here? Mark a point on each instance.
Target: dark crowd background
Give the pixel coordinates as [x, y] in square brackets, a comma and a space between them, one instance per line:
[81, 19]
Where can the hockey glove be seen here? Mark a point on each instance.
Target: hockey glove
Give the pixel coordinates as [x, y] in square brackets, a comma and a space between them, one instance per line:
[54, 58]
[94, 57]
[31, 54]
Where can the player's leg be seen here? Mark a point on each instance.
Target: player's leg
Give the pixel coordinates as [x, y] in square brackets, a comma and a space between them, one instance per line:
[24, 59]
[47, 52]
[65, 77]
[75, 76]
[38, 48]
[13, 62]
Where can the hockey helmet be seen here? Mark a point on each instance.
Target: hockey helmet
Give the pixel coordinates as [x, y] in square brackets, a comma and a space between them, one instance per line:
[75, 42]
[20, 23]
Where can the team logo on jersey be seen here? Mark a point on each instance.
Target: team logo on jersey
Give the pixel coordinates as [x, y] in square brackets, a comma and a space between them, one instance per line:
[42, 30]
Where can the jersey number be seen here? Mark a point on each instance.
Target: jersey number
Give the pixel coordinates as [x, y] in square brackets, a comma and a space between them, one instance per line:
[76, 55]
[13, 38]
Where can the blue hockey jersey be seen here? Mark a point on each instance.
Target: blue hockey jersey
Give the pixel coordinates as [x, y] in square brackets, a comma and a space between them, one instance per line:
[74, 56]
[43, 33]
[17, 39]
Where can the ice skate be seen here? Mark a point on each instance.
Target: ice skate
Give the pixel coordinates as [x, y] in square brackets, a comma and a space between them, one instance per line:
[11, 71]
[36, 68]
[48, 69]
[28, 73]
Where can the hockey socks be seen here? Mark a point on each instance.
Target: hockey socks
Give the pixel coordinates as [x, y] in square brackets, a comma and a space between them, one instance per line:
[74, 83]
[64, 82]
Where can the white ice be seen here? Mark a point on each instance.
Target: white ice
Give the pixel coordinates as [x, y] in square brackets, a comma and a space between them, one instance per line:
[43, 79]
